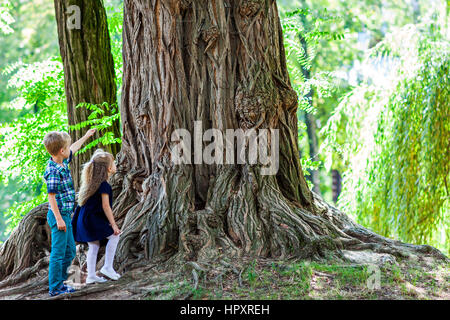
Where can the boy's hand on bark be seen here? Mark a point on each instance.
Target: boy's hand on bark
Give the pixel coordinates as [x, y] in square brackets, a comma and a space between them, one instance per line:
[90, 132]
[61, 225]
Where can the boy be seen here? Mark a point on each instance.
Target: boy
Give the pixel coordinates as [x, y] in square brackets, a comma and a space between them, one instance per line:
[61, 198]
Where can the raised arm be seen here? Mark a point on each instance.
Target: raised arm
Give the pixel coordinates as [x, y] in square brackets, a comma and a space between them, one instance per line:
[77, 144]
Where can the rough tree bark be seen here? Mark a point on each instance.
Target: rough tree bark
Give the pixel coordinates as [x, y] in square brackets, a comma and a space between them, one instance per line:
[221, 62]
[88, 67]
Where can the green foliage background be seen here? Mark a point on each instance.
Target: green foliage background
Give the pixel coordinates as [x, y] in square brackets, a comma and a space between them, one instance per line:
[394, 140]
[41, 94]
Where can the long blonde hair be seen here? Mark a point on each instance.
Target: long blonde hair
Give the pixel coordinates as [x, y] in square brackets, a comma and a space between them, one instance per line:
[94, 173]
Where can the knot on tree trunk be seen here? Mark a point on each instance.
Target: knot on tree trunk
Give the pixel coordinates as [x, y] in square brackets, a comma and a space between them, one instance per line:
[195, 242]
[252, 106]
[210, 36]
[141, 115]
[290, 100]
[250, 8]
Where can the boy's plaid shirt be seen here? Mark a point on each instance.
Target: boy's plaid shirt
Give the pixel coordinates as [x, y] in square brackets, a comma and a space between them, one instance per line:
[60, 181]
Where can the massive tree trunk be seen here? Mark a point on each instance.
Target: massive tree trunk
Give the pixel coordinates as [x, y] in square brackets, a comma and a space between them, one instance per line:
[88, 67]
[221, 63]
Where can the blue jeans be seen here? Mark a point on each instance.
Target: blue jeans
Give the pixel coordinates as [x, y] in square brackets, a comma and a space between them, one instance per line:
[63, 250]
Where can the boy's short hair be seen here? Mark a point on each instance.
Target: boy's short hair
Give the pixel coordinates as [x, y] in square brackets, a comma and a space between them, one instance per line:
[55, 141]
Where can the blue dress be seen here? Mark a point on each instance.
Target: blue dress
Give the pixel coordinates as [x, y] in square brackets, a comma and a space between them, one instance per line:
[89, 221]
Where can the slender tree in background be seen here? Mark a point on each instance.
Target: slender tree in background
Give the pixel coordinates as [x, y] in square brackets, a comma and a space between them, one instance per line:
[310, 121]
[85, 48]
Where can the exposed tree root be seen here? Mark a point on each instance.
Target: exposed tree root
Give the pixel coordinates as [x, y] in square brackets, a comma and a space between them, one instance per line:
[27, 244]
[35, 286]
[25, 274]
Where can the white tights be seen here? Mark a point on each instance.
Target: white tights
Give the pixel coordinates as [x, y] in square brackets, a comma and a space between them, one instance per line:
[109, 255]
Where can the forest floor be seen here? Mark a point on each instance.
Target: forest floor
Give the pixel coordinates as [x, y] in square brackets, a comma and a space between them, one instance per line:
[264, 279]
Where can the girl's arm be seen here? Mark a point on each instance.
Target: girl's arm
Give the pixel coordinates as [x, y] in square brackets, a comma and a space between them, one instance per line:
[109, 214]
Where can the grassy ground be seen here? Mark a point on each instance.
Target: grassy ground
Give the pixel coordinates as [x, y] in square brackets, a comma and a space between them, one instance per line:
[310, 280]
[249, 279]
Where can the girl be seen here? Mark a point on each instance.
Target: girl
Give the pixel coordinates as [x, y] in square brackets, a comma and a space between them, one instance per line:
[93, 220]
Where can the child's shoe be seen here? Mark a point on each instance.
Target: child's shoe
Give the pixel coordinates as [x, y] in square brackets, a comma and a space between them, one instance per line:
[68, 289]
[95, 279]
[63, 289]
[110, 273]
